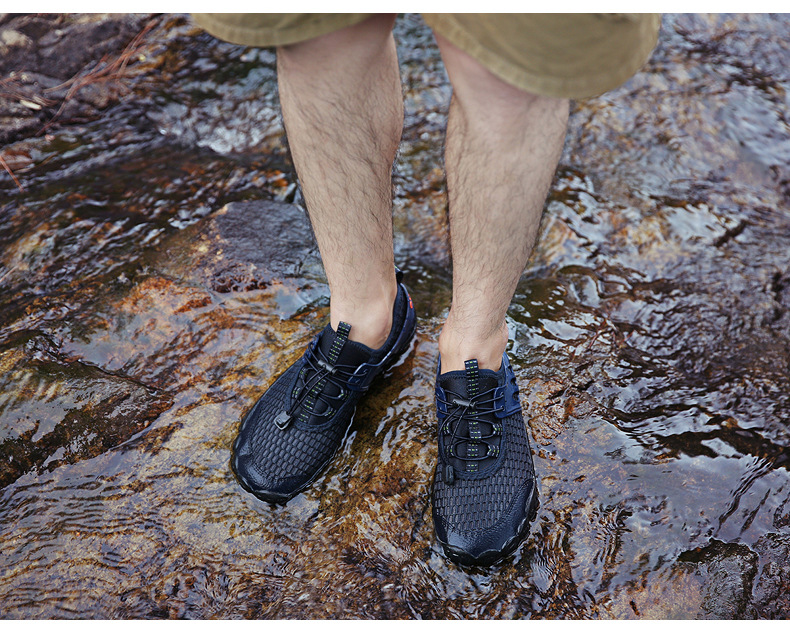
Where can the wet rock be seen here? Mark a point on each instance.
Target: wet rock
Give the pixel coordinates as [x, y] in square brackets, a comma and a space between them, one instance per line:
[103, 35]
[9, 38]
[771, 594]
[260, 242]
[730, 571]
[198, 71]
[43, 51]
[737, 582]
[55, 412]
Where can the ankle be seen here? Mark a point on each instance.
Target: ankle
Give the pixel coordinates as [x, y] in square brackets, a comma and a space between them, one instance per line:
[370, 317]
[458, 345]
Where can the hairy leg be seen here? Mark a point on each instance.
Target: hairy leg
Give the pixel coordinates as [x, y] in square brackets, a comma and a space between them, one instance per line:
[343, 111]
[501, 152]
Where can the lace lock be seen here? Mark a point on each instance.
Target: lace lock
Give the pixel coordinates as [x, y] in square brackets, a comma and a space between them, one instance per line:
[328, 367]
[462, 402]
[282, 420]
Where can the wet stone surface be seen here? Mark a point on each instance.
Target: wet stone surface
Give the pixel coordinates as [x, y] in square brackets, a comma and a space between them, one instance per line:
[157, 271]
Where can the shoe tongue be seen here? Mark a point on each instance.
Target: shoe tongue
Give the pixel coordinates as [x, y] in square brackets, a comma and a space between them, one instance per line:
[469, 382]
[338, 350]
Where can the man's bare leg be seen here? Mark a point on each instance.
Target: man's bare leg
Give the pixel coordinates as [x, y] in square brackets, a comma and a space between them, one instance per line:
[501, 152]
[343, 110]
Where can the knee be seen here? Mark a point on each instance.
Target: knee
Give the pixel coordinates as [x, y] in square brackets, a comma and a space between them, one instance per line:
[363, 38]
[476, 87]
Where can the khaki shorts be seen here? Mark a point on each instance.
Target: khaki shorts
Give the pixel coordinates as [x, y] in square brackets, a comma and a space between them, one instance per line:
[561, 55]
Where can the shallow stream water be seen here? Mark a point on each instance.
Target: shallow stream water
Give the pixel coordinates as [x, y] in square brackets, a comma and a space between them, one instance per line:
[158, 271]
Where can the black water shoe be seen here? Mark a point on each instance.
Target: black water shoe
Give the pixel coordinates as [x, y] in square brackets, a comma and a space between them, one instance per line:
[299, 423]
[484, 489]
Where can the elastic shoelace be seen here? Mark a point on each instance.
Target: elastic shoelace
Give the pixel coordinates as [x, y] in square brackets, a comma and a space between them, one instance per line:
[461, 412]
[321, 372]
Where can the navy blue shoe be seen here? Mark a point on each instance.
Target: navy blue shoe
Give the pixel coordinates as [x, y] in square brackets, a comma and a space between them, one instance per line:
[484, 491]
[300, 422]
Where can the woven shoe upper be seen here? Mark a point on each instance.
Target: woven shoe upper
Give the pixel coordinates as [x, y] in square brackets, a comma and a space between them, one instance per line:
[484, 483]
[269, 459]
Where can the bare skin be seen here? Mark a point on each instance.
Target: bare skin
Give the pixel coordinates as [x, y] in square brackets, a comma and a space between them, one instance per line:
[502, 148]
[343, 111]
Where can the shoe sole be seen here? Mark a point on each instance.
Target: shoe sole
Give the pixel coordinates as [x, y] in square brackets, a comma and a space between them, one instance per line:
[494, 556]
[281, 499]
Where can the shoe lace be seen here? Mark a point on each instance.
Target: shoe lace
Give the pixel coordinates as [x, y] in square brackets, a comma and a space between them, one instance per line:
[316, 372]
[477, 409]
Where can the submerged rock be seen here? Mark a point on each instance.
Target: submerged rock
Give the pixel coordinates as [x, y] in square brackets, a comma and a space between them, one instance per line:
[771, 595]
[59, 412]
[729, 572]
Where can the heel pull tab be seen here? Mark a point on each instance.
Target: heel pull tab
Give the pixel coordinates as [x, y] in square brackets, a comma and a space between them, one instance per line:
[472, 380]
[341, 336]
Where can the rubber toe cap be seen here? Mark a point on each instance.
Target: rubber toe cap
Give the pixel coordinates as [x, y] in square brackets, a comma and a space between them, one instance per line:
[267, 488]
[488, 546]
